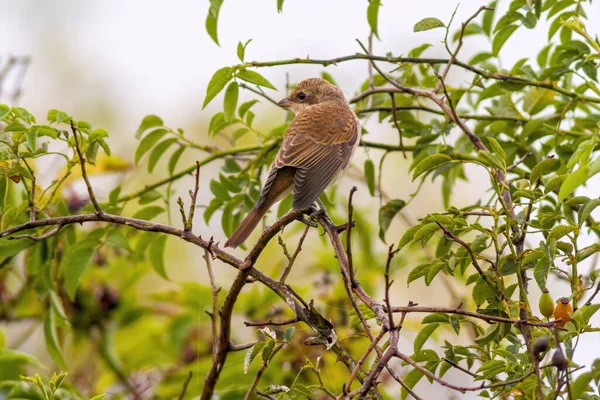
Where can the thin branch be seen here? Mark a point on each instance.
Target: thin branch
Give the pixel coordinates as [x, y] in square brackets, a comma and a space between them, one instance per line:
[215, 300]
[519, 161]
[349, 234]
[263, 367]
[395, 119]
[185, 385]
[272, 323]
[459, 45]
[84, 174]
[488, 318]
[193, 196]
[293, 257]
[43, 236]
[224, 338]
[464, 244]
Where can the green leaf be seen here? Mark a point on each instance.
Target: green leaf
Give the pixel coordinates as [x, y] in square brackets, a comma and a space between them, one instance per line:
[559, 231]
[175, 158]
[581, 384]
[387, 213]
[370, 176]
[408, 236]
[541, 271]
[267, 350]
[58, 308]
[433, 271]
[3, 191]
[219, 190]
[299, 391]
[584, 211]
[573, 180]
[113, 196]
[424, 335]
[148, 141]
[495, 146]
[75, 264]
[52, 341]
[149, 213]
[410, 380]
[492, 159]
[501, 37]
[212, 19]
[241, 50]
[251, 355]
[118, 239]
[372, 16]
[149, 121]
[99, 397]
[417, 272]
[244, 107]
[427, 24]
[4, 110]
[158, 151]
[217, 83]
[157, 255]
[230, 101]
[429, 163]
[289, 332]
[542, 168]
[537, 99]
[279, 6]
[254, 77]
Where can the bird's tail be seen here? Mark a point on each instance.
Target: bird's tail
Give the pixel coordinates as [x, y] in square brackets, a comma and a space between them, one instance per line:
[247, 226]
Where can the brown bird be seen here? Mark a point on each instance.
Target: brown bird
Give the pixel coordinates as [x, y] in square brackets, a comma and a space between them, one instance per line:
[317, 148]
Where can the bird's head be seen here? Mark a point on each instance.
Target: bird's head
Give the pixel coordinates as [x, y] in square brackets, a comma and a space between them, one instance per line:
[309, 92]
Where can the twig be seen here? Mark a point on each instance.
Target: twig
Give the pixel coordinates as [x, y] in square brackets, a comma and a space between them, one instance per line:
[459, 45]
[260, 371]
[215, 300]
[31, 197]
[193, 195]
[84, 174]
[388, 284]
[518, 162]
[210, 381]
[185, 385]
[362, 359]
[272, 323]
[488, 318]
[43, 236]
[349, 234]
[456, 239]
[293, 257]
[395, 119]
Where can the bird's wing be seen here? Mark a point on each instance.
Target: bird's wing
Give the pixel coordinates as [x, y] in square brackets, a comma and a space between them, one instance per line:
[319, 144]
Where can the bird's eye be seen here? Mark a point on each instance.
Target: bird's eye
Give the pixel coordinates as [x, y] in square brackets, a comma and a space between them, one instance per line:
[302, 96]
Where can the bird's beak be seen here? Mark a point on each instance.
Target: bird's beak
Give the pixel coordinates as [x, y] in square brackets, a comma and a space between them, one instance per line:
[285, 103]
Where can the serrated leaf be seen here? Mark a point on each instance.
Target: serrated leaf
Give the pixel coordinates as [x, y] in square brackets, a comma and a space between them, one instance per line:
[387, 214]
[501, 37]
[148, 141]
[230, 101]
[492, 159]
[433, 271]
[217, 83]
[251, 355]
[417, 272]
[149, 121]
[157, 255]
[3, 191]
[372, 16]
[542, 168]
[370, 176]
[212, 19]
[435, 317]
[428, 23]
[537, 99]
[254, 77]
[423, 335]
[559, 231]
[431, 162]
[572, 182]
[158, 151]
[52, 341]
[541, 271]
[408, 236]
[584, 211]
